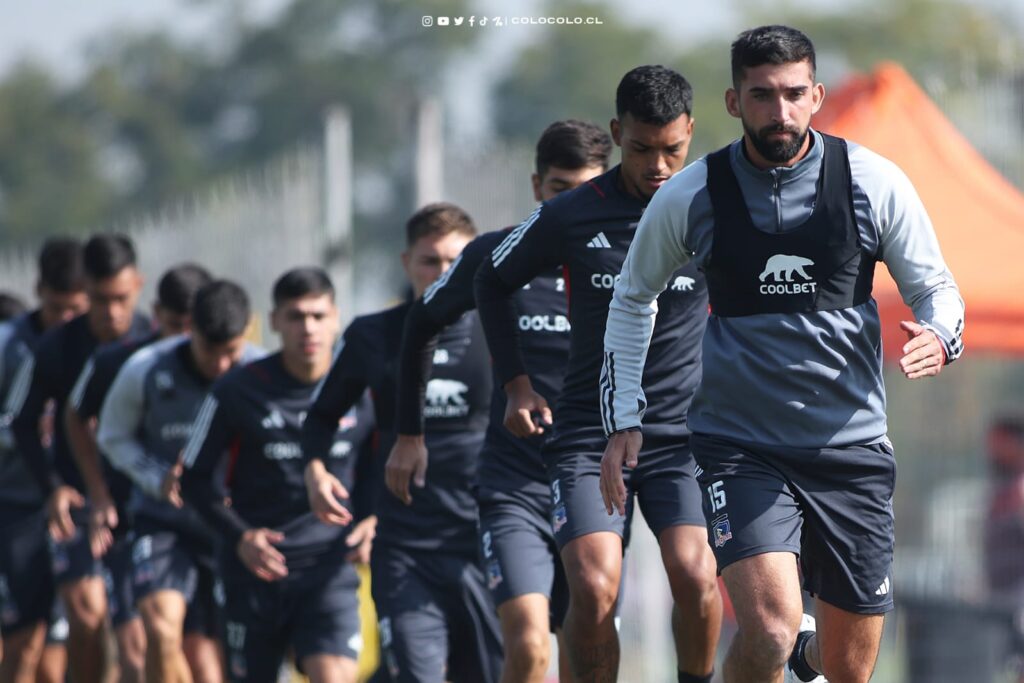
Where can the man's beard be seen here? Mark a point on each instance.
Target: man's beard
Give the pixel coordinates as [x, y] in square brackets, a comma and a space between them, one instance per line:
[778, 150]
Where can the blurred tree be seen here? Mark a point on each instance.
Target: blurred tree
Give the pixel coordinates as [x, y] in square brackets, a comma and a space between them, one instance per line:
[47, 177]
[571, 71]
[154, 118]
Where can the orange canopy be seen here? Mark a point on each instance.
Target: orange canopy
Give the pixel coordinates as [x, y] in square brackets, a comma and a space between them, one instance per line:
[978, 214]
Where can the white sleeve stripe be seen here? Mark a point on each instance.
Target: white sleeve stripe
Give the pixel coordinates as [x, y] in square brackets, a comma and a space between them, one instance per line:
[608, 393]
[19, 390]
[514, 238]
[200, 429]
[78, 391]
[441, 281]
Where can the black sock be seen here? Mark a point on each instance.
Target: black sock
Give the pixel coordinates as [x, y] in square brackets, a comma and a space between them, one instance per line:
[690, 678]
[797, 660]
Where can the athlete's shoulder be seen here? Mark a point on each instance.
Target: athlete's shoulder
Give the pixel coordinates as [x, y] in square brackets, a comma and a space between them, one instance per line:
[370, 325]
[594, 192]
[247, 374]
[865, 163]
[687, 183]
[486, 242]
[53, 341]
[144, 360]
[117, 352]
[881, 179]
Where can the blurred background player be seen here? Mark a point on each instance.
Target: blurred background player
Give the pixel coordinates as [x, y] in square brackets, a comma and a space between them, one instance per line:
[144, 424]
[107, 489]
[113, 284]
[289, 580]
[588, 232]
[518, 550]
[27, 589]
[1004, 521]
[437, 619]
[11, 306]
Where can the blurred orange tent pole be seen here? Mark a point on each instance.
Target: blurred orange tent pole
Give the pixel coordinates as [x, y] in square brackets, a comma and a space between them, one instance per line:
[978, 214]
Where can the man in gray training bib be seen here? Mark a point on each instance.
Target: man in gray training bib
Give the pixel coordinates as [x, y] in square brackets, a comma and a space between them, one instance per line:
[789, 425]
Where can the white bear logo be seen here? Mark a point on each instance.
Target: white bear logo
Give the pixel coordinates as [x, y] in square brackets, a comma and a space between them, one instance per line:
[683, 284]
[784, 263]
[444, 392]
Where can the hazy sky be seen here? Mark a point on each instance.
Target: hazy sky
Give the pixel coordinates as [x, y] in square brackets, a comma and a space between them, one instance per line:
[57, 31]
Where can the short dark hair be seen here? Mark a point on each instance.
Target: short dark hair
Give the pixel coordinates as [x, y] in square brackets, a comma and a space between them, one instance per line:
[654, 94]
[106, 255]
[60, 265]
[573, 144]
[439, 218]
[11, 306]
[177, 288]
[221, 311]
[773, 44]
[300, 282]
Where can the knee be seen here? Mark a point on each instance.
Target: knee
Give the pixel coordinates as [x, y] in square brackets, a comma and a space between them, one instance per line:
[594, 591]
[769, 643]
[131, 649]
[692, 572]
[23, 649]
[529, 649]
[839, 665]
[86, 605]
[163, 626]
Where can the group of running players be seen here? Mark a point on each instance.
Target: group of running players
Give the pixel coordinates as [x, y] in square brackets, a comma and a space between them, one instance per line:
[209, 501]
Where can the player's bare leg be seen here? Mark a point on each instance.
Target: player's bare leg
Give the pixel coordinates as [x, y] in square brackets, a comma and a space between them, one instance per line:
[85, 602]
[697, 616]
[765, 591]
[593, 567]
[525, 629]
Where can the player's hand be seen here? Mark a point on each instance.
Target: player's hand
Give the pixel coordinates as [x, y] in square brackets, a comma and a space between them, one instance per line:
[523, 406]
[58, 511]
[170, 490]
[325, 493]
[102, 521]
[360, 539]
[407, 461]
[257, 552]
[923, 354]
[623, 449]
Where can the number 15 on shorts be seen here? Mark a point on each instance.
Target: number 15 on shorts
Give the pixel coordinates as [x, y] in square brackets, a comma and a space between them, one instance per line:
[716, 496]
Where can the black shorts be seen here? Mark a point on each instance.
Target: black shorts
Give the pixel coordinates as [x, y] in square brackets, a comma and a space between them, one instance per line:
[663, 483]
[830, 506]
[519, 555]
[118, 575]
[315, 611]
[72, 560]
[168, 560]
[27, 588]
[437, 619]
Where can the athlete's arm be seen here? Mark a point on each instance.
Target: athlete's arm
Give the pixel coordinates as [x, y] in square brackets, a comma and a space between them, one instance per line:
[213, 433]
[442, 304]
[911, 252]
[120, 419]
[655, 253]
[6, 339]
[80, 431]
[535, 246]
[32, 387]
[342, 387]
